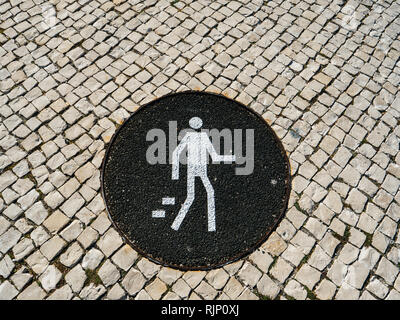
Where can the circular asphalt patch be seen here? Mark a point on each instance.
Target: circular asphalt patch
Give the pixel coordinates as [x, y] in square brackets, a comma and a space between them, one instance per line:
[194, 180]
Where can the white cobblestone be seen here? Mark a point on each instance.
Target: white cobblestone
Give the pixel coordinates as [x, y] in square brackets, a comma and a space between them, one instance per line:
[331, 99]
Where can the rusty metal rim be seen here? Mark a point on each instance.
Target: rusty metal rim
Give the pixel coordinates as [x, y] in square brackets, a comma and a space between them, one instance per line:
[231, 259]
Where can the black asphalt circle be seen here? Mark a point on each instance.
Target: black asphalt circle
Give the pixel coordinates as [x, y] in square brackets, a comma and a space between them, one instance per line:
[213, 213]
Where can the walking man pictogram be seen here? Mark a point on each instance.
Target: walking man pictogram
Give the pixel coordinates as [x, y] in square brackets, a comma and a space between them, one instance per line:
[198, 147]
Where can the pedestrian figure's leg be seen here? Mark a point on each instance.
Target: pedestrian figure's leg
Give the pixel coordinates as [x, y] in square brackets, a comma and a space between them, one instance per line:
[210, 203]
[186, 205]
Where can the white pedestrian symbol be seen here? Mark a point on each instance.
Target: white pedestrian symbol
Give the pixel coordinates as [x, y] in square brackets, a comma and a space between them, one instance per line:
[198, 147]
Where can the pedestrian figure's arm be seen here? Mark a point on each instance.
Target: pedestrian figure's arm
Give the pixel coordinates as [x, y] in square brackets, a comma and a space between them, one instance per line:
[175, 158]
[231, 158]
[215, 156]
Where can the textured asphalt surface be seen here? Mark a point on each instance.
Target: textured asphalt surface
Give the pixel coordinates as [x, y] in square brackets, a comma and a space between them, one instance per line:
[247, 206]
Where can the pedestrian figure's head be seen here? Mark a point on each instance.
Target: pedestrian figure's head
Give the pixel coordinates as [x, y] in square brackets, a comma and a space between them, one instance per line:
[195, 123]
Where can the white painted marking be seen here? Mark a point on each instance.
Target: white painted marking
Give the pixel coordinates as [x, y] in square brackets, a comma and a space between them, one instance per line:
[168, 201]
[195, 123]
[158, 214]
[198, 147]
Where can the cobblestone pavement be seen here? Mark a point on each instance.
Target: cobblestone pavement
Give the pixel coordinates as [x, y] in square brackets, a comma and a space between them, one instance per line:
[325, 74]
